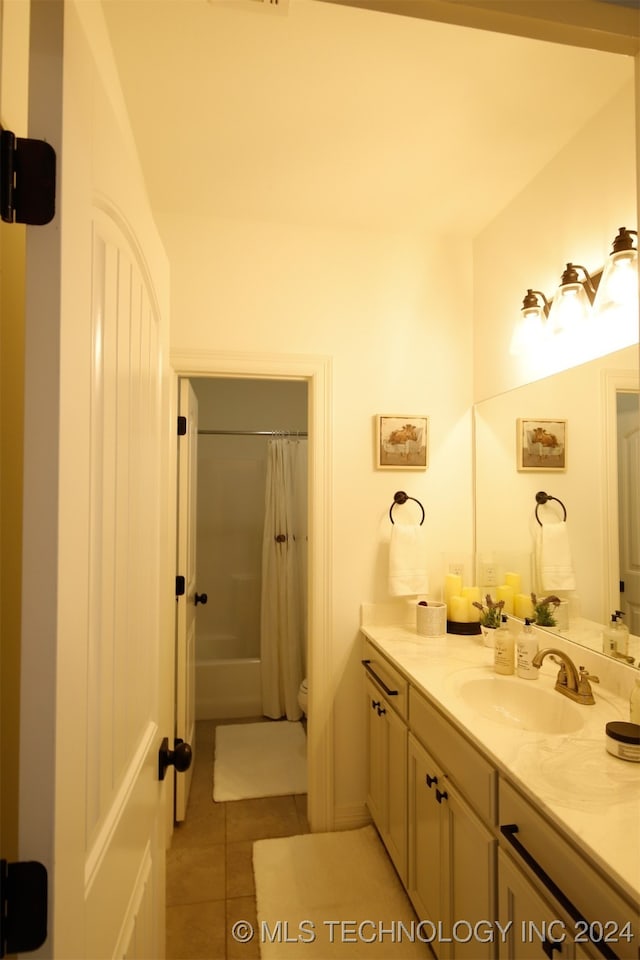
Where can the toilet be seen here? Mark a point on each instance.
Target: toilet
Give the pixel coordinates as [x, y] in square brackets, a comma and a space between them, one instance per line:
[303, 696]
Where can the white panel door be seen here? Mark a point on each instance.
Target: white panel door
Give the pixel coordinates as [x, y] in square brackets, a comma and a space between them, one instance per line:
[187, 606]
[97, 604]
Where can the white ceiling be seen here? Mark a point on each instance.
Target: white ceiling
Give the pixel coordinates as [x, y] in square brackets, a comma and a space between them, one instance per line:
[330, 115]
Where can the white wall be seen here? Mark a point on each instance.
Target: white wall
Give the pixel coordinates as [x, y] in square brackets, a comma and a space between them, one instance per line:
[570, 212]
[393, 312]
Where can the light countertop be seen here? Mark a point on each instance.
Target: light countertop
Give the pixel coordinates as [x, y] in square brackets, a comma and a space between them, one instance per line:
[592, 796]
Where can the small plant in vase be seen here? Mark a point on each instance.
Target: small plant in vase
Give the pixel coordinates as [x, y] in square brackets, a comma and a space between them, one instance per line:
[490, 617]
[490, 612]
[543, 610]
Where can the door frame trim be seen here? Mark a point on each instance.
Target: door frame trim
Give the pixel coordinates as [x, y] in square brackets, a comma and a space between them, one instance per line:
[316, 370]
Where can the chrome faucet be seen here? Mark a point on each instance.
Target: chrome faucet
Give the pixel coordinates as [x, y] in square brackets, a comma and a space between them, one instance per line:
[570, 682]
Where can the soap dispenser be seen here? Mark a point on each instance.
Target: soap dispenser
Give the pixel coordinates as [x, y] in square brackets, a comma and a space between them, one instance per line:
[527, 647]
[610, 638]
[622, 635]
[503, 660]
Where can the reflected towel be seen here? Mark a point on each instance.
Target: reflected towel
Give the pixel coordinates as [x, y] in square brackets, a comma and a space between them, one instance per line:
[408, 561]
[553, 558]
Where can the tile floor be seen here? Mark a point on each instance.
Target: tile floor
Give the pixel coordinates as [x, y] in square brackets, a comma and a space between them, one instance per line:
[209, 866]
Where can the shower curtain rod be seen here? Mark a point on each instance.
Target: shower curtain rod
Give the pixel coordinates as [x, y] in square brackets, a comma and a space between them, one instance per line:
[254, 433]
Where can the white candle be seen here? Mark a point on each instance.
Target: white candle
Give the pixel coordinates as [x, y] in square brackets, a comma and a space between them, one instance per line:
[522, 606]
[452, 585]
[505, 592]
[472, 593]
[513, 580]
[458, 608]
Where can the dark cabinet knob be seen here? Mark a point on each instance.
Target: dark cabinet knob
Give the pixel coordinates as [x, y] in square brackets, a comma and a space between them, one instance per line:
[441, 795]
[180, 757]
[201, 598]
[429, 780]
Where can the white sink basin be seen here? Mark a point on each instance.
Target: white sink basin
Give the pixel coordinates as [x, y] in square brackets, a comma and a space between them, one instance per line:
[522, 704]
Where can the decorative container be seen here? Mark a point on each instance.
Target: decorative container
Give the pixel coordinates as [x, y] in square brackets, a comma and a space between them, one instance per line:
[470, 629]
[623, 740]
[431, 619]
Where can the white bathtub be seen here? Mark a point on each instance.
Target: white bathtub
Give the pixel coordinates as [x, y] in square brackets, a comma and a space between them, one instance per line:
[228, 688]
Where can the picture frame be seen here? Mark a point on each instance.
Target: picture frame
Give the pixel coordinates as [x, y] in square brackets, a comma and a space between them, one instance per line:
[401, 441]
[541, 444]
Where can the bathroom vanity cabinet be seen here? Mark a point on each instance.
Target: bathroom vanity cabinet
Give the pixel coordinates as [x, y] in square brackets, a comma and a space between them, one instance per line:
[471, 846]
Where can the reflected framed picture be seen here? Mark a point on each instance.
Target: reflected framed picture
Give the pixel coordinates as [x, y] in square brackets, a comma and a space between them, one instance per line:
[541, 444]
[401, 442]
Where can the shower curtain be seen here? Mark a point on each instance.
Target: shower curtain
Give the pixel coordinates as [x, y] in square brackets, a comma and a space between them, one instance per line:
[284, 556]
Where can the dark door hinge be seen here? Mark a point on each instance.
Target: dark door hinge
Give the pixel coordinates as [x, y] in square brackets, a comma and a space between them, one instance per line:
[180, 586]
[27, 180]
[622, 586]
[23, 906]
[182, 426]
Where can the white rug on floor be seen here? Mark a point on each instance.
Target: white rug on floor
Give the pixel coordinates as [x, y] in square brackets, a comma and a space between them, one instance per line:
[326, 895]
[266, 759]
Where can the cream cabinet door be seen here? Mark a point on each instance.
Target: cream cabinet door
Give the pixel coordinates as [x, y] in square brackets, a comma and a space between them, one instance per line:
[396, 796]
[426, 882]
[387, 775]
[533, 927]
[452, 863]
[471, 866]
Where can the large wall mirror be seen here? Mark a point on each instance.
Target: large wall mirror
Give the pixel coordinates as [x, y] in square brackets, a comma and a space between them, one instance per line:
[596, 480]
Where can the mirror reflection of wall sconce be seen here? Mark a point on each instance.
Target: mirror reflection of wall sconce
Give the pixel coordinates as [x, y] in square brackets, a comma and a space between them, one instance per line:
[603, 305]
[618, 287]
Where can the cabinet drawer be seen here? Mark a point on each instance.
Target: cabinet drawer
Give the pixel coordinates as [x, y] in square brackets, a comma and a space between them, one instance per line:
[473, 775]
[577, 880]
[389, 680]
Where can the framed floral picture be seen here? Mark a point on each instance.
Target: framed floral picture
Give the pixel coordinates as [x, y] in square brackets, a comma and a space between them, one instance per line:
[401, 442]
[541, 444]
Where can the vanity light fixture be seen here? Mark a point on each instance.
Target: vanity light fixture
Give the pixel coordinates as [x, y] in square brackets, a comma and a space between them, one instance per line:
[617, 296]
[583, 301]
[572, 302]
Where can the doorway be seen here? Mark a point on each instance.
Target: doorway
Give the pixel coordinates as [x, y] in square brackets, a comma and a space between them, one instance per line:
[621, 500]
[315, 371]
[237, 419]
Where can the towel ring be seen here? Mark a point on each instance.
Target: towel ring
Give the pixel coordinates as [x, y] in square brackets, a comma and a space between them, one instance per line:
[542, 497]
[402, 497]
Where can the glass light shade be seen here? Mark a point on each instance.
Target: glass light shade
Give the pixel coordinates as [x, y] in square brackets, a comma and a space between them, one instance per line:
[617, 296]
[569, 310]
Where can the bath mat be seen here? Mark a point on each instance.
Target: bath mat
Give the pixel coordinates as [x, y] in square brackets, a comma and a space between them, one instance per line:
[326, 895]
[259, 760]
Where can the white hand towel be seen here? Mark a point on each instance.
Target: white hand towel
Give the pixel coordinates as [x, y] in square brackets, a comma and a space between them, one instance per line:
[553, 558]
[408, 561]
